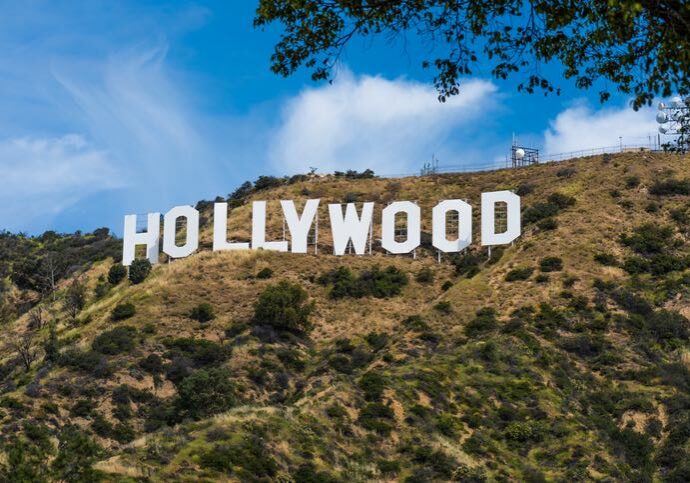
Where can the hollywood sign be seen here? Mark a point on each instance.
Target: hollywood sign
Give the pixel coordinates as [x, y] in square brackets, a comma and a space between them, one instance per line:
[347, 228]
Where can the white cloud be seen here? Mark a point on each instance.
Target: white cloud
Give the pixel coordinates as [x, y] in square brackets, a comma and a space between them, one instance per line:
[43, 176]
[135, 110]
[579, 127]
[391, 126]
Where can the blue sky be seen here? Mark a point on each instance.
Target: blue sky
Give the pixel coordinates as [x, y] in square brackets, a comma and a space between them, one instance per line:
[111, 108]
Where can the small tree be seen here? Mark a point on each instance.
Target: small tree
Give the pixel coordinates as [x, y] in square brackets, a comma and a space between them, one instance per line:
[23, 345]
[76, 297]
[139, 270]
[283, 306]
[51, 345]
[117, 273]
[204, 393]
[36, 318]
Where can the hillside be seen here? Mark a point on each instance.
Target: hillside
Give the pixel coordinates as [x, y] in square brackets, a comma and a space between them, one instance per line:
[563, 357]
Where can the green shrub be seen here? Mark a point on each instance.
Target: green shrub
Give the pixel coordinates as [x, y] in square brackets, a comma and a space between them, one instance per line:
[551, 264]
[76, 457]
[652, 207]
[670, 187]
[90, 361]
[648, 239]
[566, 172]
[82, 408]
[336, 411]
[115, 341]
[444, 307]
[446, 285]
[522, 273]
[265, 273]
[484, 321]
[375, 282]
[539, 211]
[201, 352]
[547, 224]
[249, 458]
[202, 313]
[139, 270]
[123, 311]
[632, 182]
[541, 278]
[425, 275]
[372, 383]
[117, 273]
[666, 325]
[284, 307]
[376, 416]
[205, 393]
[524, 189]
[101, 426]
[606, 259]
[561, 200]
[635, 265]
[123, 433]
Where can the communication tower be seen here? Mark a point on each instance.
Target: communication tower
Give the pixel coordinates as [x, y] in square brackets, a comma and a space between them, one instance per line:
[523, 156]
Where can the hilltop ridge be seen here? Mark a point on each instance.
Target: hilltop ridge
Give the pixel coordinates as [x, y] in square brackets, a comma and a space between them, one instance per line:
[562, 357]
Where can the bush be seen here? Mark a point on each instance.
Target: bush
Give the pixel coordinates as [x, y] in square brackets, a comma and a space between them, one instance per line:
[205, 393]
[539, 211]
[541, 278]
[444, 307]
[153, 364]
[202, 313]
[547, 224]
[115, 341]
[561, 200]
[606, 259]
[377, 417]
[284, 307]
[90, 361]
[76, 457]
[551, 264]
[667, 325]
[117, 273]
[265, 273]
[139, 270]
[425, 275]
[519, 274]
[670, 187]
[375, 282]
[484, 321]
[202, 352]
[636, 265]
[372, 384]
[648, 239]
[446, 285]
[123, 311]
[524, 189]
[632, 182]
[249, 458]
[566, 172]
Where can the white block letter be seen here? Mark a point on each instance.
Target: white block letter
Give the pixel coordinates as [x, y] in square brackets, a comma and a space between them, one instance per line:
[351, 227]
[170, 228]
[489, 200]
[388, 227]
[220, 230]
[259, 230]
[148, 238]
[439, 234]
[299, 227]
